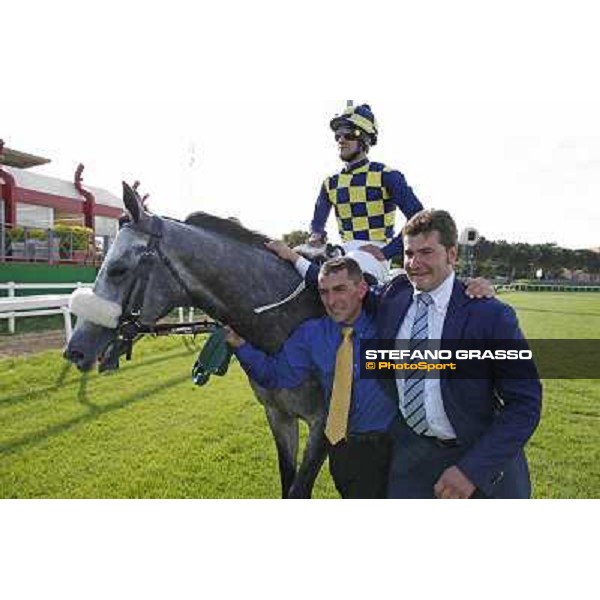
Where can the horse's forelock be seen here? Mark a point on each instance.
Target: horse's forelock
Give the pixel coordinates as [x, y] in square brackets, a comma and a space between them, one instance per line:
[226, 227]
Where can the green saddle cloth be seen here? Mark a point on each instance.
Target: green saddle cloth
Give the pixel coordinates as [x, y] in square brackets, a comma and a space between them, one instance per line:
[214, 358]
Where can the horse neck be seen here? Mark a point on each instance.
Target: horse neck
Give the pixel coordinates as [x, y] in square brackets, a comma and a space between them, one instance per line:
[227, 278]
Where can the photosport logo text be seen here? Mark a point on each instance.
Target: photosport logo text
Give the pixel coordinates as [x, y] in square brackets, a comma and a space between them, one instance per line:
[466, 359]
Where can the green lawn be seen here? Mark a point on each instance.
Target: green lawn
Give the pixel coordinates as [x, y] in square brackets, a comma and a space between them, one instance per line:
[564, 453]
[549, 315]
[147, 431]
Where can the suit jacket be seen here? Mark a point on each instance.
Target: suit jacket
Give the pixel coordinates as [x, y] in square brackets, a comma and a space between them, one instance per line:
[493, 417]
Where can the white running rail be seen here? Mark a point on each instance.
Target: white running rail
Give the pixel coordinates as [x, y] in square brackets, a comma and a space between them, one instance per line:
[13, 306]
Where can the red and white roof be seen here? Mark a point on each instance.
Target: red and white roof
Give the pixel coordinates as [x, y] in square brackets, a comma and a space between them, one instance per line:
[44, 184]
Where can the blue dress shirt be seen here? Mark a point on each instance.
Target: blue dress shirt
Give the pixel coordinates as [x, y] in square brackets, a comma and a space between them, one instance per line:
[312, 349]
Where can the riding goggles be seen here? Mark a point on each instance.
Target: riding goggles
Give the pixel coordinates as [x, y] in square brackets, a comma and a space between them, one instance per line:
[350, 135]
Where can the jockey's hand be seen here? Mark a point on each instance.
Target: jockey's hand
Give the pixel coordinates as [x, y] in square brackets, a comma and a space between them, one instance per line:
[232, 338]
[480, 288]
[283, 251]
[373, 250]
[316, 239]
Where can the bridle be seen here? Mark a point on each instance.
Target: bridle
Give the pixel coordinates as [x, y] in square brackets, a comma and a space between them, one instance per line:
[129, 326]
[129, 321]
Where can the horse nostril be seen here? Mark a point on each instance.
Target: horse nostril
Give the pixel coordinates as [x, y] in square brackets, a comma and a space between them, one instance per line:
[73, 355]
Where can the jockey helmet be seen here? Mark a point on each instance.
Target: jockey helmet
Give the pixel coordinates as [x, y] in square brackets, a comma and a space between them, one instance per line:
[360, 117]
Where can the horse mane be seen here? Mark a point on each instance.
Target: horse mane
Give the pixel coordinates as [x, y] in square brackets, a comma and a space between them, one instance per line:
[227, 227]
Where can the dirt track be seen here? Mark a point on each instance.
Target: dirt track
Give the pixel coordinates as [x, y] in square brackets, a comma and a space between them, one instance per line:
[30, 343]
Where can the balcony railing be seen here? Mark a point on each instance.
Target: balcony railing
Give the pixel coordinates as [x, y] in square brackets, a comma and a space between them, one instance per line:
[54, 246]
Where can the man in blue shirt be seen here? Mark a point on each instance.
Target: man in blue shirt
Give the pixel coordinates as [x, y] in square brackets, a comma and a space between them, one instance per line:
[364, 195]
[359, 462]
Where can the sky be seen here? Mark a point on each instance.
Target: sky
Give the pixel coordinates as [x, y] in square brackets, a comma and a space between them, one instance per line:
[490, 109]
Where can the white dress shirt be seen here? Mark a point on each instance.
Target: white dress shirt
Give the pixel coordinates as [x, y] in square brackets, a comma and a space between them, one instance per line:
[438, 422]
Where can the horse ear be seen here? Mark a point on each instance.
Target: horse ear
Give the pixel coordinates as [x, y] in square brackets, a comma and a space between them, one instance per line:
[130, 199]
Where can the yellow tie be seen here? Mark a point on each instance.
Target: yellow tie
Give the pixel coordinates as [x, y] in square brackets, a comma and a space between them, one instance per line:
[339, 406]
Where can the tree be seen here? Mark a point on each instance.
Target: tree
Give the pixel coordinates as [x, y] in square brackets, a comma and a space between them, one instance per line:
[519, 260]
[295, 238]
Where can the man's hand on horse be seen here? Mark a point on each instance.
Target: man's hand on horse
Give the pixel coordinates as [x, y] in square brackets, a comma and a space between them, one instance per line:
[283, 251]
[232, 338]
[480, 287]
[373, 250]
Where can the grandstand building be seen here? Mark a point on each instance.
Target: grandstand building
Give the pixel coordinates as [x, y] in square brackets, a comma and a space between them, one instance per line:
[51, 230]
[30, 199]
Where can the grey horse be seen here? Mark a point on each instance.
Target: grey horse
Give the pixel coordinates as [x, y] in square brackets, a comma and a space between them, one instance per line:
[224, 269]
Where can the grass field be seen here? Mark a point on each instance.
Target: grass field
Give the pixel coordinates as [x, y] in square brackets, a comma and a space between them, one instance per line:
[148, 432]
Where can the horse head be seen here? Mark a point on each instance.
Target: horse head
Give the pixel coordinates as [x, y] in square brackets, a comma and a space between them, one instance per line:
[133, 284]
[156, 264]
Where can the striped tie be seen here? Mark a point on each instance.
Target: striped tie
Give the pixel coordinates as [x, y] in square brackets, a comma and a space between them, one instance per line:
[413, 407]
[339, 405]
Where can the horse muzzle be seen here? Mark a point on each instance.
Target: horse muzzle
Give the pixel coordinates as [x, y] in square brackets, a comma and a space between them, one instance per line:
[88, 343]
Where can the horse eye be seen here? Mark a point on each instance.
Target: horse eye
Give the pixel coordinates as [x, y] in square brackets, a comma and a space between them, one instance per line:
[116, 271]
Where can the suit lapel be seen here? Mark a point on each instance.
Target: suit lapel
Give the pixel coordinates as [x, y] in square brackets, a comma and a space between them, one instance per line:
[454, 325]
[456, 315]
[393, 317]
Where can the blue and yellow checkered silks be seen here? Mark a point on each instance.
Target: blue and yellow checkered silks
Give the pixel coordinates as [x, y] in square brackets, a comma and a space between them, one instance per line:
[362, 204]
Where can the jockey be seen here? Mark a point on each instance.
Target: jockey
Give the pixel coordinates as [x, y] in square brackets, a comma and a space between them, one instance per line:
[364, 194]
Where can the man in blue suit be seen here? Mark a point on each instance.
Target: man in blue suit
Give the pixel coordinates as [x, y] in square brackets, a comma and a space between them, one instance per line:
[457, 438]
